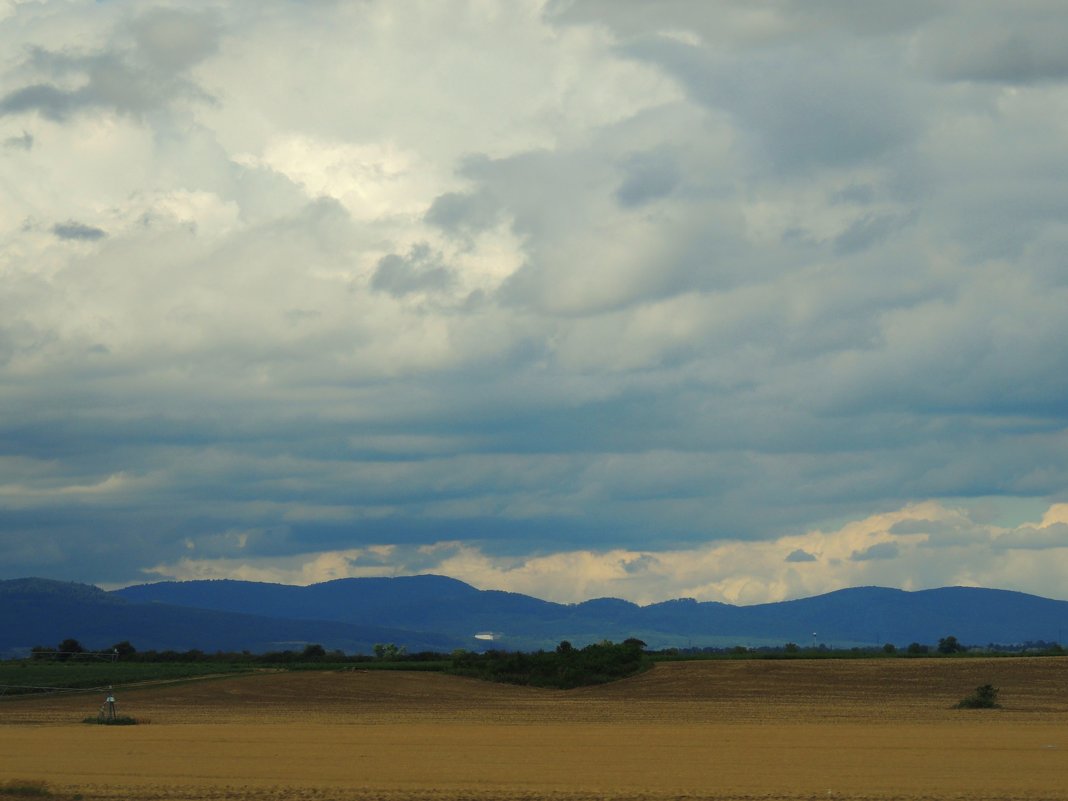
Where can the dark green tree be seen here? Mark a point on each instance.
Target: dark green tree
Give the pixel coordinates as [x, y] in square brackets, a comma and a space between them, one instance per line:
[124, 648]
[388, 651]
[68, 648]
[949, 645]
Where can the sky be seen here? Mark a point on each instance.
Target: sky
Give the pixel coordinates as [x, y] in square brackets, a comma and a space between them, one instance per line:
[577, 298]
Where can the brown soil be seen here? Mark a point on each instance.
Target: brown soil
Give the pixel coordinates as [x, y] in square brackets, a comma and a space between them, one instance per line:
[879, 729]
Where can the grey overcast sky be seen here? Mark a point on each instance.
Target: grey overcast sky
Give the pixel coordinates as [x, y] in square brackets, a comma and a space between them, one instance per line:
[731, 300]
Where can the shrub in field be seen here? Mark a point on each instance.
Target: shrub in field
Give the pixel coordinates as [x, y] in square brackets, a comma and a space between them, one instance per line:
[118, 720]
[24, 788]
[388, 652]
[984, 697]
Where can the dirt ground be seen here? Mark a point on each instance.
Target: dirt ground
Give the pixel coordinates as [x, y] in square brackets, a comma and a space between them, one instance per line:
[864, 729]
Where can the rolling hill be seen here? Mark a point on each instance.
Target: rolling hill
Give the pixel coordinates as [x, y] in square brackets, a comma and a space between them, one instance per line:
[440, 613]
[862, 615]
[40, 611]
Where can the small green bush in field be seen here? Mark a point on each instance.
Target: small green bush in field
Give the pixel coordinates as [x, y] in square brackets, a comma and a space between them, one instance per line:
[24, 788]
[984, 697]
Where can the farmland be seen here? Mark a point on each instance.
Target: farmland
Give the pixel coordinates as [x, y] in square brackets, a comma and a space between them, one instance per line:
[879, 729]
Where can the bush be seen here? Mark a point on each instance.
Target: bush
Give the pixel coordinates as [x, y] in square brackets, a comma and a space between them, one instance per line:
[984, 697]
[118, 720]
[123, 649]
[25, 788]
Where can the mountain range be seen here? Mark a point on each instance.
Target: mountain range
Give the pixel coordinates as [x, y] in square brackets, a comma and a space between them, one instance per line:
[440, 613]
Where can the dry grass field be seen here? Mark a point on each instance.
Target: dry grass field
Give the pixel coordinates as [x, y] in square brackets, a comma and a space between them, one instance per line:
[866, 729]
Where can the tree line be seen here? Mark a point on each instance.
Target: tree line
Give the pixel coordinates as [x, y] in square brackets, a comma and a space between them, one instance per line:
[564, 667]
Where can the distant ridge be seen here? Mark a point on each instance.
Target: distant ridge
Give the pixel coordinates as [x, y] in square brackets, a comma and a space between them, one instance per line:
[36, 611]
[860, 615]
[439, 613]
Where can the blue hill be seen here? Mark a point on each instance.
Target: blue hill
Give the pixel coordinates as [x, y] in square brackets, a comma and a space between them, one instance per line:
[862, 615]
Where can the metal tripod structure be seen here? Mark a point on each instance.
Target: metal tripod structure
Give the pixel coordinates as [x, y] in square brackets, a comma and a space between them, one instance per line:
[107, 709]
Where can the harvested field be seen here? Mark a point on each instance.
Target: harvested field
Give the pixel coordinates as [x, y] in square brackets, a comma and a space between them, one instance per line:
[880, 729]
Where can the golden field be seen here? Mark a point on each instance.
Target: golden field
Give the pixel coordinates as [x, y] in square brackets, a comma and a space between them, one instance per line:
[850, 729]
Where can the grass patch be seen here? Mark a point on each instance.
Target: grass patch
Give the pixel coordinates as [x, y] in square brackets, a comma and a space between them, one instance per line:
[28, 677]
[429, 666]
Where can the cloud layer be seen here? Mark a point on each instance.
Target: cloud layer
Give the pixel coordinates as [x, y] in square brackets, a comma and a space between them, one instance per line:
[916, 547]
[524, 285]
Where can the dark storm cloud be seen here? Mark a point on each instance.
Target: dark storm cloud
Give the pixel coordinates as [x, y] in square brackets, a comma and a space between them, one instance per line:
[647, 177]
[923, 527]
[173, 40]
[995, 44]
[458, 212]
[640, 564]
[1031, 538]
[73, 230]
[420, 270]
[24, 142]
[49, 100]
[868, 231]
[109, 82]
[801, 109]
[728, 22]
[800, 555]
[554, 205]
[882, 550]
[864, 19]
[126, 80]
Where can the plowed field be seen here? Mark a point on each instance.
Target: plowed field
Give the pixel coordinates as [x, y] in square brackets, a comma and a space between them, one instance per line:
[878, 729]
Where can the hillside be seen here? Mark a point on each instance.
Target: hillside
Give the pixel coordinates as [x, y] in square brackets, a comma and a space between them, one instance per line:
[440, 613]
[40, 611]
[863, 615]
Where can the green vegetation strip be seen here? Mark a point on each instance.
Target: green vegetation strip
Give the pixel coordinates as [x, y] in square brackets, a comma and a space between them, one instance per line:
[564, 668]
[23, 677]
[63, 669]
[24, 788]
